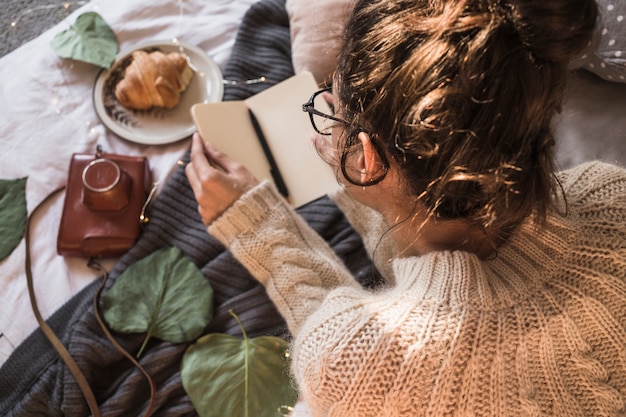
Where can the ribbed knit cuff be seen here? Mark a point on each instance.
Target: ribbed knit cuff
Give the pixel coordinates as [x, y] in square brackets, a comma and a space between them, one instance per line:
[247, 213]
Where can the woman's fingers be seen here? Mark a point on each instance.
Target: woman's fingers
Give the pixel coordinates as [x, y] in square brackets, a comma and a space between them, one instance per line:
[216, 180]
[198, 155]
[219, 159]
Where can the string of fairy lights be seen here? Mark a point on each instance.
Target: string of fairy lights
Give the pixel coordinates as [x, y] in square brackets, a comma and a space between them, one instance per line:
[65, 66]
[26, 17]
[21, 21]
[65, 6]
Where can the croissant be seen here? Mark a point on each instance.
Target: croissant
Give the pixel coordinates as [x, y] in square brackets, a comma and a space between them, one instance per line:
[153, 79]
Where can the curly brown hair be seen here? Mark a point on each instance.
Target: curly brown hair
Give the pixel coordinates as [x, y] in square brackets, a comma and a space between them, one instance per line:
[461, 95]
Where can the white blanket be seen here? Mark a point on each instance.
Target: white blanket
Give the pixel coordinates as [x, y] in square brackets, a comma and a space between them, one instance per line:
[48, 114]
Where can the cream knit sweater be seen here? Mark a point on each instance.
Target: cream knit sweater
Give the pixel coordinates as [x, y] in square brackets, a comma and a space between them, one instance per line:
[538, 331]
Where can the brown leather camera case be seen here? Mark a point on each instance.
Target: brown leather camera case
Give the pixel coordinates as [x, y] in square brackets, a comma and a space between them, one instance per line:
[86, 232]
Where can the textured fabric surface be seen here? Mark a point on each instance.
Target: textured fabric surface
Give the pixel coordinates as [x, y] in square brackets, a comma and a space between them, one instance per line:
[539, 330]
[23, 20]
[606, 55]
[35, 382]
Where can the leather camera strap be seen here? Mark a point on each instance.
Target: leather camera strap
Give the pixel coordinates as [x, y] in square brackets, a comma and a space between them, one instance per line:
[48, 332]
[58, 345]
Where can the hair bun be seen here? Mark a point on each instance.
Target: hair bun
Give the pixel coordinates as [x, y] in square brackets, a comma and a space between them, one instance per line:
[554, 30]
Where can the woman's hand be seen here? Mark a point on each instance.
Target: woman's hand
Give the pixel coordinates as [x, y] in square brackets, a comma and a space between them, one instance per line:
[217, 181]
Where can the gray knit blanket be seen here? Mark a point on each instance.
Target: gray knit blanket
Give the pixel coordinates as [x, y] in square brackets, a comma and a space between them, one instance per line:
[35, 382]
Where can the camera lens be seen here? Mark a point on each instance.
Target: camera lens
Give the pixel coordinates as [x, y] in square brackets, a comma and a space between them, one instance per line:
[104, 186]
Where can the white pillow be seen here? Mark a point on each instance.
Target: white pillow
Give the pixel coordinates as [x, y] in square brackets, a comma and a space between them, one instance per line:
[315, 27]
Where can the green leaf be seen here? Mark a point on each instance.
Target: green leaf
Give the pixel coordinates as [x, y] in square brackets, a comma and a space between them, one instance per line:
[227, 376]
[164, 295]
[89, 39]
[13, 214]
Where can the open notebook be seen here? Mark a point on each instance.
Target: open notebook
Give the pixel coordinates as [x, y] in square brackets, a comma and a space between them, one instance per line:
[277, 111]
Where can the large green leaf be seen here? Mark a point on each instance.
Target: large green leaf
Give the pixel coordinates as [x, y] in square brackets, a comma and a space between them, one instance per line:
[164, 295]
[13, 214]
[89, 39]
[228, 376]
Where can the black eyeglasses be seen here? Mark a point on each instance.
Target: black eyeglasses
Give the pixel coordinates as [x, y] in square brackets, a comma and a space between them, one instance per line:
[319, 119]
[321, 124]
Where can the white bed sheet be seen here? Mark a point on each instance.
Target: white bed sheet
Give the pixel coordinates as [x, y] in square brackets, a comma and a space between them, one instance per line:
[47, 114]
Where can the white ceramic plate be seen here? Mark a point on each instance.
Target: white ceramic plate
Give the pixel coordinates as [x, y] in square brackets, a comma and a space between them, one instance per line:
[158, 126]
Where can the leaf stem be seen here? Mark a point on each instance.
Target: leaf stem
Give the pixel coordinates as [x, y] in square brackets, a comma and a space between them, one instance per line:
[143, 345]
[246, 368]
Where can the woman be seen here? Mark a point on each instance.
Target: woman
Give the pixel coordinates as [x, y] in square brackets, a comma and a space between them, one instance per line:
[506, 283]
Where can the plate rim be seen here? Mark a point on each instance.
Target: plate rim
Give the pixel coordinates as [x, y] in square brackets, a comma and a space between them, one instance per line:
[111, 125]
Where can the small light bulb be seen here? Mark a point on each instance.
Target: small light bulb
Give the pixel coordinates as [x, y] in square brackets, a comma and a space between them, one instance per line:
[93, 134]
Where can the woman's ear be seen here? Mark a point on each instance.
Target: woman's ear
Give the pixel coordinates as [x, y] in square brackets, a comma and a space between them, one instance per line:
[369, 162]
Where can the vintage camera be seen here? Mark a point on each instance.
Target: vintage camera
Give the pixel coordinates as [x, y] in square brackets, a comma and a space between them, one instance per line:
[104, 202]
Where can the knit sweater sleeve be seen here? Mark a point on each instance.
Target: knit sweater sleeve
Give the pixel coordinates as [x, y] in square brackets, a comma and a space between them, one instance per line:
[297, 267]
